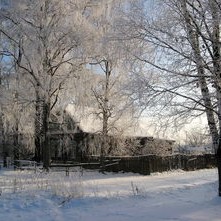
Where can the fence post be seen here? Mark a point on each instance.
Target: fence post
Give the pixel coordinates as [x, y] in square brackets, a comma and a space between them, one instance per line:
[67, 171]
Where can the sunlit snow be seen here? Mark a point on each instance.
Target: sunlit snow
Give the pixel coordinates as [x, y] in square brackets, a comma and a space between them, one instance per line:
[89, 195]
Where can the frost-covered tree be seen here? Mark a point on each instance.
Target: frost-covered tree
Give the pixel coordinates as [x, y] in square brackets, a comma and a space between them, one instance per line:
[49, 35]
[182, 47]
[52, 39]
[52, 43]
[108, 59]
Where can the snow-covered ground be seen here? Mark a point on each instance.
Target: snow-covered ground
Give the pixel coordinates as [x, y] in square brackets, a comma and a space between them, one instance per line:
[178, 195]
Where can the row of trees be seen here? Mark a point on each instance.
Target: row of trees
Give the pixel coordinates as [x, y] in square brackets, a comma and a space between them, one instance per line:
[170, 52]
[182, 47]
[46, 46]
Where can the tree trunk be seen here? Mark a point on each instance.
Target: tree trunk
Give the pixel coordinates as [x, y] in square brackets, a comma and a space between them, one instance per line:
[16, 133]
[218, 157]
[46, 144]
[194, 41]
[16, 144]
[106, 115]
[217, 74]
[38, 128]
[4, 151]
[104, 141]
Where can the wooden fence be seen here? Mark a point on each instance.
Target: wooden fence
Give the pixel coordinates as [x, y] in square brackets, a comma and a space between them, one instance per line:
[149, 164]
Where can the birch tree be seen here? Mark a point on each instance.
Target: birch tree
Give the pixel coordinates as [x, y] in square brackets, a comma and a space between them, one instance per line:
[184, 54]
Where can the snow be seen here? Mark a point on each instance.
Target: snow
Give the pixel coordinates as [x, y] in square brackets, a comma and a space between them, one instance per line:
[89, 195]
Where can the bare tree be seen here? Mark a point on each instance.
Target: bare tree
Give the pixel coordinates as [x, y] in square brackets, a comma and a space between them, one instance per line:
[103, 100]
[197, 137]
[109, 59]
[185, 57]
